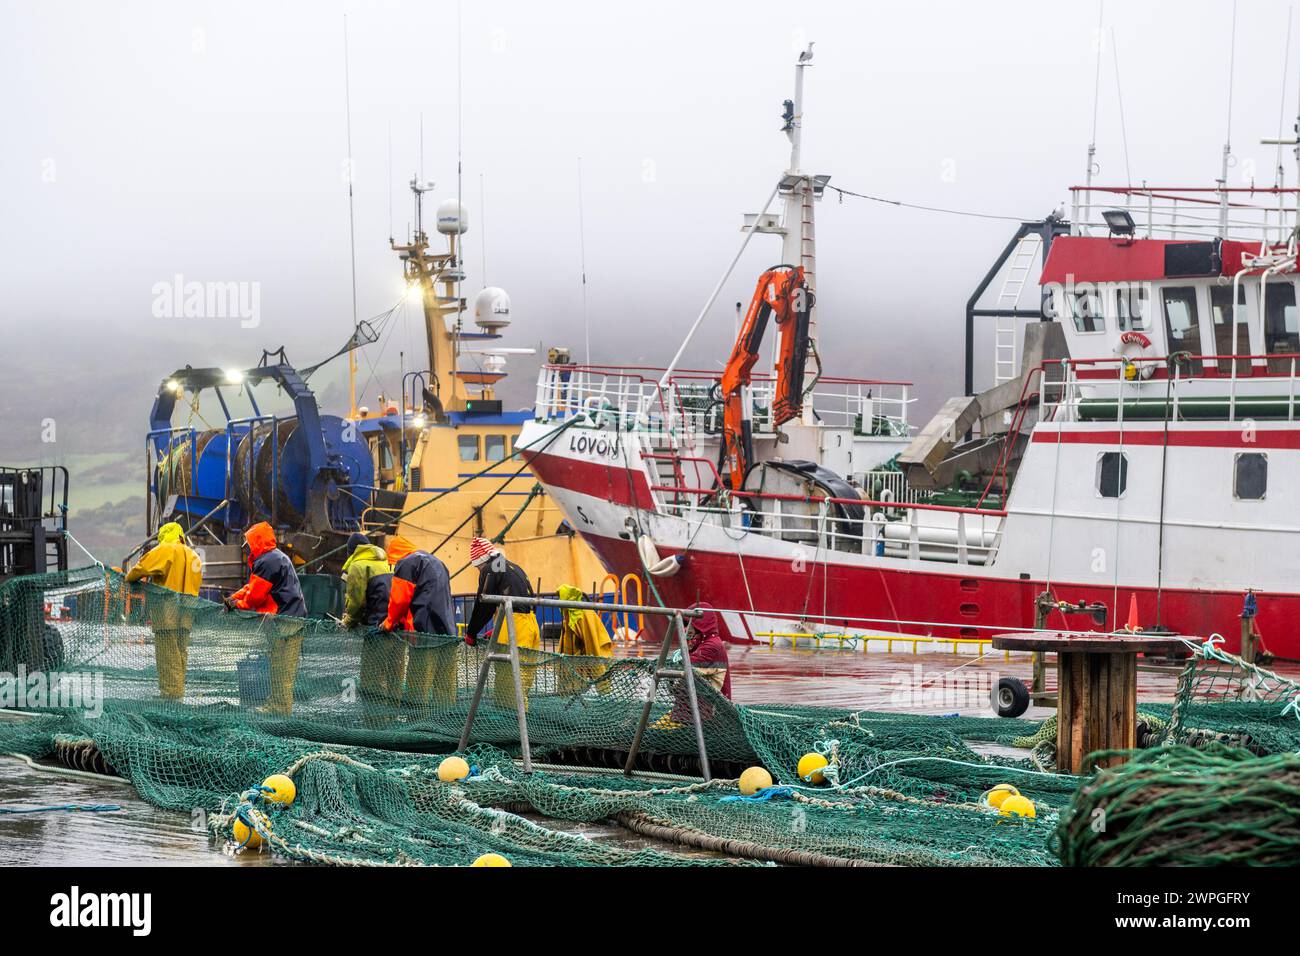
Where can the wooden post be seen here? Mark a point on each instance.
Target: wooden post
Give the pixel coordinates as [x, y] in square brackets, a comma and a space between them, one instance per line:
[1096, 689]
[1248, 640]
[1096, 707]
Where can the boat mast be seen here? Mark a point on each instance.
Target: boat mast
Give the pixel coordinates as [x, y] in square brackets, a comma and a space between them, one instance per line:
[423, 270]
[799, 241]
[797, 248]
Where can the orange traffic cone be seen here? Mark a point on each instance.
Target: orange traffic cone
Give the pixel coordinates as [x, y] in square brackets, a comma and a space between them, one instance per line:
[1133, 626]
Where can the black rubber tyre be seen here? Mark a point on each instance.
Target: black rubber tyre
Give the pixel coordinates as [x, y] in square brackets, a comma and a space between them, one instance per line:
[1010, 697]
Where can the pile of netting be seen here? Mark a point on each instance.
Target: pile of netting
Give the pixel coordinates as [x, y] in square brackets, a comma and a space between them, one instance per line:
[1223, 788]
[196, 705]
[1222, 698]
[1187, 806]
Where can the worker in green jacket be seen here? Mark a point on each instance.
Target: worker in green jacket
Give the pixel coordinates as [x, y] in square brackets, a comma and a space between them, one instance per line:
[369, 579]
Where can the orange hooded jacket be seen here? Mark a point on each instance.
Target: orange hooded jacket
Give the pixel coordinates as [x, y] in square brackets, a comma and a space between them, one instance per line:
[273, 586]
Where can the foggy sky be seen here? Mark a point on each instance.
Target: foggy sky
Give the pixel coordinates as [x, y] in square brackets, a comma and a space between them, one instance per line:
[146, 140]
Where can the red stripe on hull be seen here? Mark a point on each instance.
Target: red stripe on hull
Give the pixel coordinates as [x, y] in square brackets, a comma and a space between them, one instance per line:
[960, 606]
[1199, 438]
[611, 482]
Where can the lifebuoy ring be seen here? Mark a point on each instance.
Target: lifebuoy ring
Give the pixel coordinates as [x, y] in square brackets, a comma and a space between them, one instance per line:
[1138, 355]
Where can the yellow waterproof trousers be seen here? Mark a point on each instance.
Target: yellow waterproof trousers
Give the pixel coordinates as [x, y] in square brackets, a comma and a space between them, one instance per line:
[171, 647]
[285, 647]
[527, 638]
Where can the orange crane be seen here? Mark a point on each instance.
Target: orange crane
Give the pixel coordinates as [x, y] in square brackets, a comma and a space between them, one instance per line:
[781, 291]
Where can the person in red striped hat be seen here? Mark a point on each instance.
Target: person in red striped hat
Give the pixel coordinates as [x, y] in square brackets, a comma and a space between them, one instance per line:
[498, 576]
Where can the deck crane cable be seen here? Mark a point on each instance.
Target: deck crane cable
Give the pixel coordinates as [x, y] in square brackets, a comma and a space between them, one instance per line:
[549, 439]
[464, 481]
[1173, 362]
[910, 205]
[649, 578]
[1119, 413]
[374, 329]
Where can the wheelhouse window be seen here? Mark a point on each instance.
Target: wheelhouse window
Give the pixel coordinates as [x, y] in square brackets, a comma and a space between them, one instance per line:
[1182, 322]
[1250, 476]
[1086, 310]
[495, 446]
[1112, 474]
[469, 447]
[1131, 304]
[1281, 332]
[1222, 314]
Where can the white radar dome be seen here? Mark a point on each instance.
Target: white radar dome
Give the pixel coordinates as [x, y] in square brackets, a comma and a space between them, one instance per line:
[492, 309]
[452, 218]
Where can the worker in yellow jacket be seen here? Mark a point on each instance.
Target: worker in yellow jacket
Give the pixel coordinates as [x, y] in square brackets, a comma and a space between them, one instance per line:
[173, 565]
[583, 633]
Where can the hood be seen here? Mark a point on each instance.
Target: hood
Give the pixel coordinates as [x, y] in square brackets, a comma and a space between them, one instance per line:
[398, 548]
[365, 552]
[567, 592]
[260, 538]
[706, 625]
[170, 532]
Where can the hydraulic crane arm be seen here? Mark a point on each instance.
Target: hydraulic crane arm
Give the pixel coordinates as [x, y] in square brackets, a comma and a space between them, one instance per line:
[781, 291]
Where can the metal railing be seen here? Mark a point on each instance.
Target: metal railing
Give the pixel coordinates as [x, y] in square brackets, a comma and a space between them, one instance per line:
[898, 529]
[631, 399]
[1263, 214]
[1226, 387]
[510, 656]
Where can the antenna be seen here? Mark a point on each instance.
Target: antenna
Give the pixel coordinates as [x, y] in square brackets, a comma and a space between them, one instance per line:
[352, 230]
[460, 206]
[1293, 141]
[582, 253]
[1227, 136]
[1119, 95]
[390, 182]
[482, 227]
[1280, 175]
[1096, 97]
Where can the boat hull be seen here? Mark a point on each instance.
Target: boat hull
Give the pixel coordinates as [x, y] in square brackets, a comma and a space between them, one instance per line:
[765, 585]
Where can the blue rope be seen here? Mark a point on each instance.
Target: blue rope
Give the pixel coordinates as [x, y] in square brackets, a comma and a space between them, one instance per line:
[762, 796]
[68, 807]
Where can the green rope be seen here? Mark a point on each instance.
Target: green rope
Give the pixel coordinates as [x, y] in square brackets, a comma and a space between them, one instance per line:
[1172, 806]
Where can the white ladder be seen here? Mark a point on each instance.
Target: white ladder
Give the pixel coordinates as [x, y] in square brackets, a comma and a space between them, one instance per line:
[1006, 366]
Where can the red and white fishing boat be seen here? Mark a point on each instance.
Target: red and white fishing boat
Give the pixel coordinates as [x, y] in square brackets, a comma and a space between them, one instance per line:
[1141, 451]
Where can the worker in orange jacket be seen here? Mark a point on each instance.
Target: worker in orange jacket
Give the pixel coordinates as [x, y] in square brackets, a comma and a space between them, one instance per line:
[420, 607]
[273, 588]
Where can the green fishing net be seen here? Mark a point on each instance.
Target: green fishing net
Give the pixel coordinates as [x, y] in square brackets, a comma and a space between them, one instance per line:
[196, 706]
